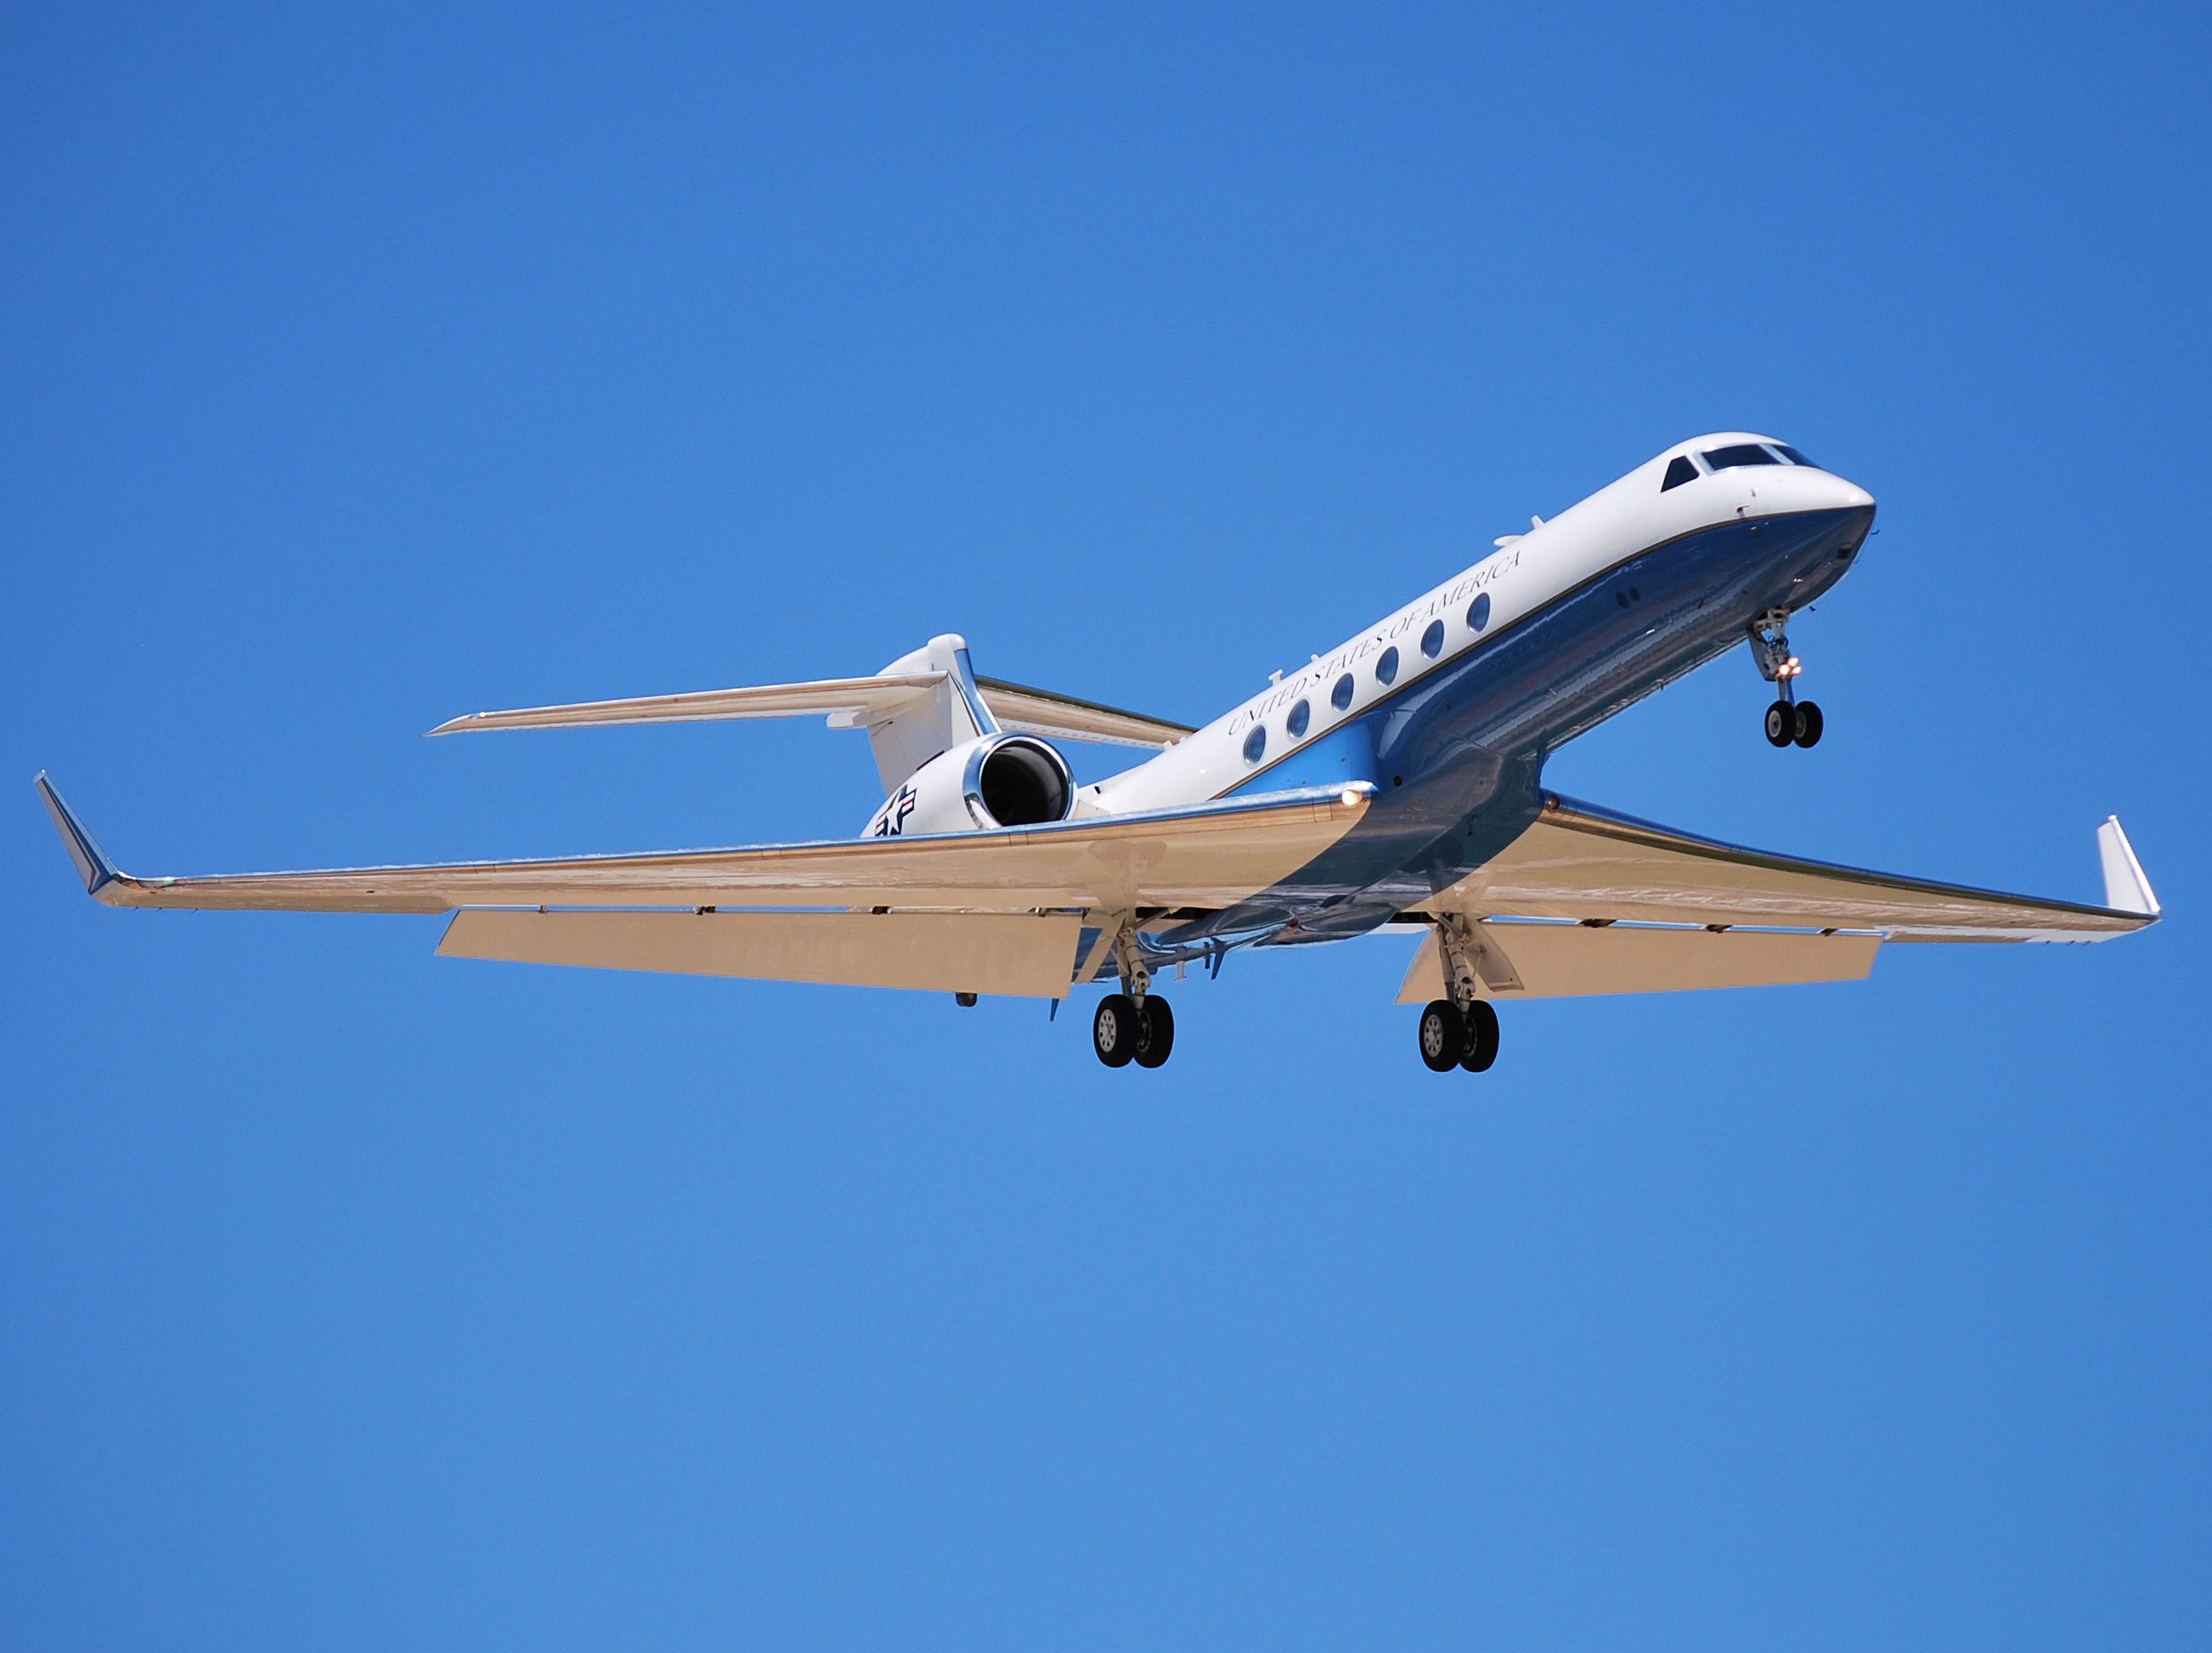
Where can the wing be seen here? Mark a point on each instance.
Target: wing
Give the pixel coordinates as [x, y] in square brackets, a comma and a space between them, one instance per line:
[1657, 909]
[1209, 856]
[847, 702]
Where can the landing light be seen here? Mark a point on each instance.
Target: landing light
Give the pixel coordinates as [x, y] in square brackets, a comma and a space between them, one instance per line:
[1351, 797]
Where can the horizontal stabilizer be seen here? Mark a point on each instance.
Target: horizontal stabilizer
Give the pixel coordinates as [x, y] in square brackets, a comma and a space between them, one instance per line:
[851, 702]
[1207, 855]
[1063, 717]
[859, 699]
[1019, 955]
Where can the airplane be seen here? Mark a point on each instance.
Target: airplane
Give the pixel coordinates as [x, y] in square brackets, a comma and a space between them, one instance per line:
[1393, 784]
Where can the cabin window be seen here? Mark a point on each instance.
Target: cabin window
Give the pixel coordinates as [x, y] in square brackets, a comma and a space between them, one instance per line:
[1478, 612]
[1678, 470]
[1386, 669]
[1726, 459]
[1432, 640]
[1255, 743]
[1340, 696]
[1301, 715]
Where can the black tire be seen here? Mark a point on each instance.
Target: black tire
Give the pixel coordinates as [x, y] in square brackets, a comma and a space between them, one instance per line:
[1155, 1032]
[1809, 723]
[1781, 723]
[1481, 1037]
[1443, 1034]
[1113, 1030]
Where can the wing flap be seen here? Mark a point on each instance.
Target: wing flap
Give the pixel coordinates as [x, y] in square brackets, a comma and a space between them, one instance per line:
[1581, 862]
[1208, 856]
[1017, 955]
[1572, 961]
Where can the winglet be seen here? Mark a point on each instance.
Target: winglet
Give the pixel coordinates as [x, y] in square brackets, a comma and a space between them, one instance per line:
[2126, 889]
[94, 867]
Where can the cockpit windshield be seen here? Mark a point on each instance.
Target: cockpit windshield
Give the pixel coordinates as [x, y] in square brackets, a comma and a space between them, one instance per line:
[1726, 459]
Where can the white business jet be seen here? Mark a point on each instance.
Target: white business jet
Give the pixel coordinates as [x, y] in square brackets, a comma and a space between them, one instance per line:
[1394, 784]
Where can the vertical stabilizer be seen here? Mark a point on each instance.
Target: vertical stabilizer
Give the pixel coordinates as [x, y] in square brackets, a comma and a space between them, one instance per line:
[944, 718]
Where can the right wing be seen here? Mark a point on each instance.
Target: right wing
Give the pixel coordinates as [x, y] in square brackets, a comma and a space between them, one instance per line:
[1589, 902]
[1208, 855]
[1578, 861]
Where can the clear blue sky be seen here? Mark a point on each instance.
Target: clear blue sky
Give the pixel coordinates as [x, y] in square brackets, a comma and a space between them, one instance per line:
[362, 370]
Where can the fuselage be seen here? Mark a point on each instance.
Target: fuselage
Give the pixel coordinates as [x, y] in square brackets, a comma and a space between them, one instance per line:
[1450, 706]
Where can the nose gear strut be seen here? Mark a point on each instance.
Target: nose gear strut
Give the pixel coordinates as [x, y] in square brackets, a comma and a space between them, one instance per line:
[1790, 722]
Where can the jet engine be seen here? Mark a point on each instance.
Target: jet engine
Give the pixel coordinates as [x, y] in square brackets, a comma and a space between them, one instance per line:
[993, 780]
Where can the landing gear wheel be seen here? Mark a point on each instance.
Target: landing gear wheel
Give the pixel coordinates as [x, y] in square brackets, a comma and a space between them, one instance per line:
[1113, 1030]
[1781, 723]
[1443, 1036]
[1809, 723]
[1481, 1037]
[1155, 1032]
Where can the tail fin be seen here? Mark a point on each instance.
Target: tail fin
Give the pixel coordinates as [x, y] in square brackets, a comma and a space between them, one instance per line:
[934, 721]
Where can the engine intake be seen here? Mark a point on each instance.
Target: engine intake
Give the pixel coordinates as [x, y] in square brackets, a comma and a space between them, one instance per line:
[1017, 781]
[995, 781]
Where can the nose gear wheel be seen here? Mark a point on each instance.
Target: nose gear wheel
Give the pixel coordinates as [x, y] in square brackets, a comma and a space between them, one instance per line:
[1790, 722]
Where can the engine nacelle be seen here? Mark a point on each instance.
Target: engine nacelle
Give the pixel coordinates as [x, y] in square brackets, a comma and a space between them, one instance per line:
[993, 780]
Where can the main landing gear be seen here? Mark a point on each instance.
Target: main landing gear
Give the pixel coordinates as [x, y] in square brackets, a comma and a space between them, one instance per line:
[1135, 1025]
[1125, 1028]
[1790, 722]
[1461, 1030]
[1452, 1037]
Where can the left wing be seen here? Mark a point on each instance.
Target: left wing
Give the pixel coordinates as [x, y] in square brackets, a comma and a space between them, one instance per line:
[1209, 856]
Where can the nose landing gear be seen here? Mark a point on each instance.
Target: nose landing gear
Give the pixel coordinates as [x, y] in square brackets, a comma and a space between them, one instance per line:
[1790, 722]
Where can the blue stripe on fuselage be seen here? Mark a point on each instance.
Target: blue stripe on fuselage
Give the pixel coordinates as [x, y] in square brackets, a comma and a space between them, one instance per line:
[1458, 754]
